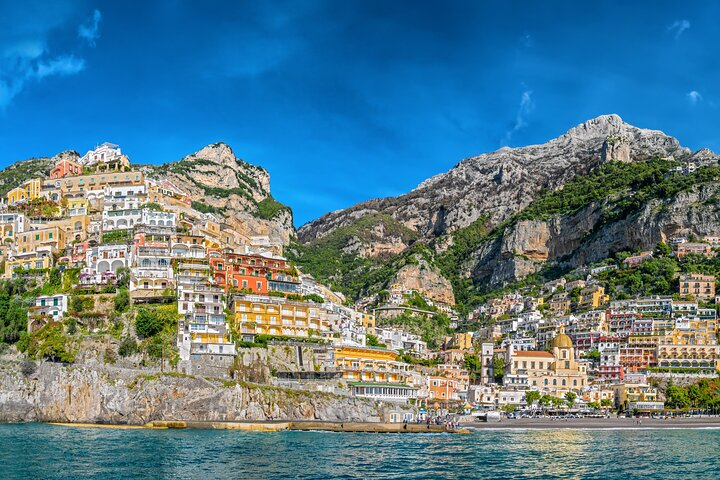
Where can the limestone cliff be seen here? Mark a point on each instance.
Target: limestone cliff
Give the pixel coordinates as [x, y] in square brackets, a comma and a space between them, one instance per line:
[501, 183]
[583, 238]
[495, 187]
[238, 191]
[426, 280]
[106, 394]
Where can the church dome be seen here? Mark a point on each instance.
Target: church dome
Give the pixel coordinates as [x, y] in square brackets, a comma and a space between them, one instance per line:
[562, 340]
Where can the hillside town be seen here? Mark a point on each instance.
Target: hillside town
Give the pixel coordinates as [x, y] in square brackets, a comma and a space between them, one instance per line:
[105, 227]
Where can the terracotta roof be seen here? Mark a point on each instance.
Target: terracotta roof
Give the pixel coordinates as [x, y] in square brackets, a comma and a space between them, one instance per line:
[533, 353]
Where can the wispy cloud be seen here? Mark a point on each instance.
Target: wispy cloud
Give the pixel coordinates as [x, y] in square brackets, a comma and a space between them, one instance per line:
[25, 53]
[90, 31]
[526, 106]
[63, 65]
[678, 27]
[694, 97]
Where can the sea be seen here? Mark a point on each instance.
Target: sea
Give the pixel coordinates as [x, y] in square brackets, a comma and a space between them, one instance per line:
[40, 451]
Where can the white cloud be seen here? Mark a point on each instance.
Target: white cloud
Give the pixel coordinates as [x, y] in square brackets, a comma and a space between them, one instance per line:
[63, 65]
[25, 53]
[694, 97]
[679, 26]
[526, 106]
[90, 30]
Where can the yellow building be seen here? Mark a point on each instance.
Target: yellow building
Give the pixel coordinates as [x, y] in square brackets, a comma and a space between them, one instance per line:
[29, 190]
[77, 186]
[30, 241]
[628, 393]
[366, 319]
[76, 207]
[261, 314]
[27, 262]
[592, 297]
[459, 341]
[555, 373]
[374, 365]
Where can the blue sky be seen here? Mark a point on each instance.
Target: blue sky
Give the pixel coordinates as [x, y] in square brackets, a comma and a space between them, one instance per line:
[341, 100]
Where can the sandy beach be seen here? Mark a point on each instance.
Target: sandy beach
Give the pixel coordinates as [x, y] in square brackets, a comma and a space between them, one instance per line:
[597, 423]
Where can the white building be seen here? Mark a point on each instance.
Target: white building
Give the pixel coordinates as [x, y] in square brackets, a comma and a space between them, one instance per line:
[151, 274]
[157, 218]
[106, 258]
[47, 308]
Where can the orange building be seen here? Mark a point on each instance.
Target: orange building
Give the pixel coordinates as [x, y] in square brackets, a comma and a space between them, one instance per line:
[66, 168]
[256, 273]
[442, 388]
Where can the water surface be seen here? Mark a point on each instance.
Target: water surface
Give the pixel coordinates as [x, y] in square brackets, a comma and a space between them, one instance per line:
[37, 451]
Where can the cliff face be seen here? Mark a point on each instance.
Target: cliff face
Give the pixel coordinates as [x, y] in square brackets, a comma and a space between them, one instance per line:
[426, 280]
[493, 187]
[501, 183]
[105, 394]
[237, 190]
[580, 239]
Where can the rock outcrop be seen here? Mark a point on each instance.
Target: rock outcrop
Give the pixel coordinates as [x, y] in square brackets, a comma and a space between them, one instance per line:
[580, 239]
[105, 394]
[495, 186]
[501, 183]
[214, 176]
[425, 280]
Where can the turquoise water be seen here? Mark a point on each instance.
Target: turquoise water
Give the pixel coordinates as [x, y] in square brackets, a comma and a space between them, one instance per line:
[35, 451]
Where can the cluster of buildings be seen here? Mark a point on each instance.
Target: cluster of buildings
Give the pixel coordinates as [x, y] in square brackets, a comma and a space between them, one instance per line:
[104, 219]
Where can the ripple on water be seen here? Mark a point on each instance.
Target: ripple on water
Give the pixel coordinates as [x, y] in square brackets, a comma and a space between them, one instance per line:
[45, 451]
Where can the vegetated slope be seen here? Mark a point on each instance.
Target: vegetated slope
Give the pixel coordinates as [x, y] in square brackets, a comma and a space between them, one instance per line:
[604, 186]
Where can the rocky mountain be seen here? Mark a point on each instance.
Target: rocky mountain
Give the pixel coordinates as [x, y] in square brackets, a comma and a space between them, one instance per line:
[221, 183]
[502, 183]
[501, 216]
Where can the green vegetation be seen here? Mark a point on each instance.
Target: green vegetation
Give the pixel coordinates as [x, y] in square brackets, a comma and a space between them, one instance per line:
[373, 341]
[117, 236]
[269, 208]
[701, 395]
[532, 396]
[153, 206]
[13, 310]
[19, 172]
[328, 261]
[51, 343]
[122, 300]
[423, 362]
[262, 340]
[204, 207]
[432, 329]
[128, 346]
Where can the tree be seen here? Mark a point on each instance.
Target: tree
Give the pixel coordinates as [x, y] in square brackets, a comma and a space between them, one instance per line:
[594, 405]
[663, 249]
[123, 277]
[499, 368]
[373, 341]
[474, 365]
[122, 300]
[128, 346]
[606, 402]
[532, 396]
[570, 398]
[51, 343]
[147, 323]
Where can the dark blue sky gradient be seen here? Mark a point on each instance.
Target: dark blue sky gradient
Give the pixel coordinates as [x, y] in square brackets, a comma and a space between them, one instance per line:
[344, 101]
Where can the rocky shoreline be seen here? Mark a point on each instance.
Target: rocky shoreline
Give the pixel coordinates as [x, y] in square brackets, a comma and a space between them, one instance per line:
[97, 393]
